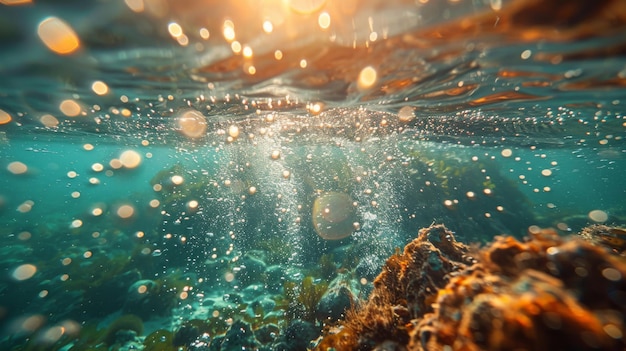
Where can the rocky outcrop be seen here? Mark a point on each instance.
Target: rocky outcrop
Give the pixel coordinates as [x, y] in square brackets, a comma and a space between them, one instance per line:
[545, 293]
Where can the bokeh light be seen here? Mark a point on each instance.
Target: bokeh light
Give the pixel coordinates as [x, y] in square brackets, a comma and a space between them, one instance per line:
[125, 211]
[58, 36]
[306, 6]
[406, 114]
[506, 153]
[175, 29]
[130, 159]
[5, 117]
[49, 121]
[598, 216]
[24, 272]
[70, 108]
[177, 179]
[15, 2]
[17, 167]
[100, 87]
[192, 124]
[228, 30]
[367, 78]
[324, 20]
[135, 5]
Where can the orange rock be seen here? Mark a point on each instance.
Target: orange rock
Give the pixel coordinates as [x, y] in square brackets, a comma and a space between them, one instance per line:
[546, 293]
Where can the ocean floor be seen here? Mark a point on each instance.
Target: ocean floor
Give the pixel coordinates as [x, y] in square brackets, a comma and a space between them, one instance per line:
[539, 290]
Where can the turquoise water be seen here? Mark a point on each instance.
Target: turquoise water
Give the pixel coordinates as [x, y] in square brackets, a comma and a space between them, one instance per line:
[187, 189]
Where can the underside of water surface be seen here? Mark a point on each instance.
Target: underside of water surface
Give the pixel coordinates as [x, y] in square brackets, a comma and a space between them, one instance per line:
[203, 175]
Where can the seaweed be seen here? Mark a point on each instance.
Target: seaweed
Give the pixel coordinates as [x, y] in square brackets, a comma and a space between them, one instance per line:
[278, 250]
[303, 298]
[159, 340]
[35, 343]
[327, 267]
[125, 322]
[92, 338]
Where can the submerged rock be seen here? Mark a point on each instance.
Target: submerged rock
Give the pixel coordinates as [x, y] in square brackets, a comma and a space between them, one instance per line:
[545, 293]
[238, 337]
[251, 269]
[612, 238]
[334, 303]
[297, 336]
[274, 278]
[146, 298]
[337, 299]
[267, 333]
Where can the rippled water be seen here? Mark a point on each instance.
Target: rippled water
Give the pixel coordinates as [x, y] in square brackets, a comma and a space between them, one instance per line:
[187, 144]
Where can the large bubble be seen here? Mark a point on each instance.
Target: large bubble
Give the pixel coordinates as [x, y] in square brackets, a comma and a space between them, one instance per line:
[334, 215]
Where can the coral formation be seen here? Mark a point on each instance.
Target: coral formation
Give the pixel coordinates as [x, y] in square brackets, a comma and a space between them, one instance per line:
[610, 237]
[545, 293]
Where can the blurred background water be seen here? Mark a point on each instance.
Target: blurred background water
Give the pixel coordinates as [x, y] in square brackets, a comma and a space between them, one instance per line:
[213, 147]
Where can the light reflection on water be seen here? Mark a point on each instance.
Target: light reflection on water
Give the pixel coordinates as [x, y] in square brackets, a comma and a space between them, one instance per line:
[184, 144]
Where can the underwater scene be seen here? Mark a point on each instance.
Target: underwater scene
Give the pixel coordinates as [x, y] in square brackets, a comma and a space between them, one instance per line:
[312, 175]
